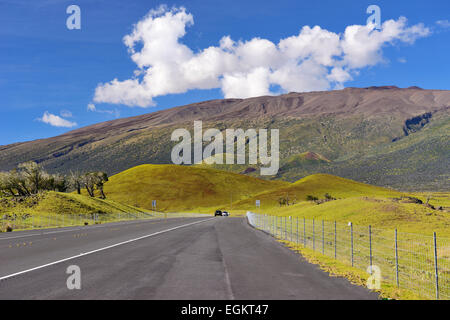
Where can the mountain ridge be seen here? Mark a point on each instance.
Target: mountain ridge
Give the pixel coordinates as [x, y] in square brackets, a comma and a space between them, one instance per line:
[339, 125]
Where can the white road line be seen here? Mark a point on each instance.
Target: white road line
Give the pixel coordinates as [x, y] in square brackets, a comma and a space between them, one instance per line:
[102, 249]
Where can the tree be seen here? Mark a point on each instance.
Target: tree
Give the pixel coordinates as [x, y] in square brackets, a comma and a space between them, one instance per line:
[17, 184]
[89, 181]
[76, 181]
[58, 182]
[6, 187]
[33, 174]
[95, 180]
[102, 177]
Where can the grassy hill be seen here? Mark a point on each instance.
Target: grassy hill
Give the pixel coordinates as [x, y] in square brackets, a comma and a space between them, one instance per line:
[56, 209]
[380, 212]
[183, 187]
[61, 203]
[316, 185]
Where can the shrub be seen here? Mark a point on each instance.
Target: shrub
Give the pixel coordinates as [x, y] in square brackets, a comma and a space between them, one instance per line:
[311, 198]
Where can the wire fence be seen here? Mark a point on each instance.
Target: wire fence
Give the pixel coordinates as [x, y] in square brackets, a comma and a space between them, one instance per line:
[415, 262]
[17, 222]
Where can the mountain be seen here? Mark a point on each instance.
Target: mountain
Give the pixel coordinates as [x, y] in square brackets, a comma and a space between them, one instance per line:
[385, 136]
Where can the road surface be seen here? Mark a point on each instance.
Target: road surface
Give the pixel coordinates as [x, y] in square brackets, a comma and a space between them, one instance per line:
[180, 258]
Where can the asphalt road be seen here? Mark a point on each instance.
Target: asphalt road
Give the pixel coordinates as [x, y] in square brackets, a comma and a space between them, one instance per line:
[183, 258]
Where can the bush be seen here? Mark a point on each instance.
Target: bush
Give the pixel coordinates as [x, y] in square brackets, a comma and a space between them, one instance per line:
[311, 198]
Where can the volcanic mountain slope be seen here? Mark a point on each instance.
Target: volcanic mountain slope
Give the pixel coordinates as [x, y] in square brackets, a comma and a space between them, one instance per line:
[400, 134]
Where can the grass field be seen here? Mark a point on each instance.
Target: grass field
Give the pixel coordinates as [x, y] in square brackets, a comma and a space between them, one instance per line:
[315, 185]
[184, 188]
[55, 209]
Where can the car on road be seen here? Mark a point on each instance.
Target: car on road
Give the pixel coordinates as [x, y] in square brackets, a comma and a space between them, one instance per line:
[225, 213]
[218, 213]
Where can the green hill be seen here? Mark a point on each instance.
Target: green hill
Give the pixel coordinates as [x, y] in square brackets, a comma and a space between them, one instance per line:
[57, 203]
[183, 187]
[316, 185]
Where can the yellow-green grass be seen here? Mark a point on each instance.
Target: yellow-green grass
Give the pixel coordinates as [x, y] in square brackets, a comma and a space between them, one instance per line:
[437, 199]
[415, 253]
[64, 203]
[50, 209]
[183, 188]
[336, 268]
[378, 212]
[315, 185]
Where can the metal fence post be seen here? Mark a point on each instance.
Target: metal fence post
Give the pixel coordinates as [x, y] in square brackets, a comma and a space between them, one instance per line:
[297, 230]
[436, 271]
[290, 218]
[335, 241]
[351, 239]
[304, 232]
[323, 237]
[370, 248]
[274, 229]
[285, 228]
[396, 260]
[277, 226]
[314, 238]
[273, 226]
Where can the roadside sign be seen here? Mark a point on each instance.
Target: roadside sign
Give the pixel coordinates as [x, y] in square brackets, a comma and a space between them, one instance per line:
[258, 203]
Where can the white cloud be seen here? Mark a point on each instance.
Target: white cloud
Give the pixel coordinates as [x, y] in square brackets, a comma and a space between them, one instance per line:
[91, 107]
[66, 114]
[315, 59]
[56, 121]
[443, 23]
[402, 60]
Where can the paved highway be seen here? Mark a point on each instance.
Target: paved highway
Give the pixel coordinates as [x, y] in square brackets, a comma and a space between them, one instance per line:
[182, 258]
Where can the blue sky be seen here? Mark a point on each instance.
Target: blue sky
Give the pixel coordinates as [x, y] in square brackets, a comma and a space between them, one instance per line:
[50, 73]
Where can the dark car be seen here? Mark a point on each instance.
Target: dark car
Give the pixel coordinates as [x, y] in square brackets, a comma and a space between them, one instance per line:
[218, 213]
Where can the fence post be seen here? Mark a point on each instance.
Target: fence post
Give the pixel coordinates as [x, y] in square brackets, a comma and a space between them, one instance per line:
[281, 221]
[351, 239]
[276, 226]
[396, 260]
[297, 230]
[314, 238]
[335, 241]
[370, 247]
[436, 272]
[304, 232]
[323, 237]
[273, 225]
[285, 228]
[291, 218]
